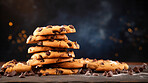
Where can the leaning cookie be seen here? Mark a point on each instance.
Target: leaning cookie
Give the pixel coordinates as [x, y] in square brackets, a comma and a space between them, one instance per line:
[48, 30]
[34, 62]
[19, 67]
[107, 65]
[53, 54]
[59, 71]
[34, 39]
[60, 44]
[44, 49]
[8, 64]
[69, 65]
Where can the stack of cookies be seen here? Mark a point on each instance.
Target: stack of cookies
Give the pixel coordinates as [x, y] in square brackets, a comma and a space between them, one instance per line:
[52, 49]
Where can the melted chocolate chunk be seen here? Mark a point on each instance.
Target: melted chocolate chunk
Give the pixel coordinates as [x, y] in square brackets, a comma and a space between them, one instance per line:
[42, 60]
[62, 29]
[110, 74]
[119, 71]
[40, 29]
[22, 75]
[49, 26]
[71, 26]
[69, 44]
[48, 53]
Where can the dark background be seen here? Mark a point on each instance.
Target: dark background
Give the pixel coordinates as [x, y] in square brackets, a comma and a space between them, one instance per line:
[106, 29]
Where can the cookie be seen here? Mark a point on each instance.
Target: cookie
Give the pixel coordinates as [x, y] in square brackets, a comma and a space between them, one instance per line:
[34, 62]
[107, 65]
[52, 54]
[73, 64]
[34, 39]
[44, 49]
[49, 30]
[8, 64]
[60, 44]
[59, 71]
[19, 67]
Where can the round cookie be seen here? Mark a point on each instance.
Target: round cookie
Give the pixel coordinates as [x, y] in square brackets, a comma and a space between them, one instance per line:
[41, 49]
[60, 44]
[48, 30]
[34, 62]
[34, 39]
[59, 71]
[52, 54]
[73, 64]
[19, 67]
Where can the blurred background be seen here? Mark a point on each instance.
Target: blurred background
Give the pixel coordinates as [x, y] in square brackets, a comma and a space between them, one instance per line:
[106, 29]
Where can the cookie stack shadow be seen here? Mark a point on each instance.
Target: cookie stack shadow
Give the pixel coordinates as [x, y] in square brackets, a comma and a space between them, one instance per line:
[53, 52]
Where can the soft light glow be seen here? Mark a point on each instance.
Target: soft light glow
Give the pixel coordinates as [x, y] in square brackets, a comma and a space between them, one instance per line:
[10, 23]
[130, 30]
[9, 37]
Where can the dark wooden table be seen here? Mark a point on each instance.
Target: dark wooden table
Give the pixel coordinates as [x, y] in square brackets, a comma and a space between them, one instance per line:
[123, 77]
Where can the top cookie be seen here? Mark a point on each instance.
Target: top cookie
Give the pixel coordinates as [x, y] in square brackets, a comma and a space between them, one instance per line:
[49, 30]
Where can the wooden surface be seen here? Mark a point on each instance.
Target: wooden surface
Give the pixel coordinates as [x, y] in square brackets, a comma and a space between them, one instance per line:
[123, 77]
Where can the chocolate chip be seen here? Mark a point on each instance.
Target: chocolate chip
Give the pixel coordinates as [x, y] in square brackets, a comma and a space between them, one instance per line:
[110, 74]
[62, 29]
[5, 74]
[14, 60]
[94, 60]
[46, 74]
[22, 75]
[144, 65]
[130, 72]
[9, 75]
[40, 43]
[136, 70]
[49, 26]
[95, 74]
[69, 44]
[71, 26]
[42, 60]
[102, 63]
[59, 71]
[88, 73]
[105, 73]
[141, 69]
[26, 73]
[48, 53]
[115, 72]
[13, 73]
[40, 29]
[119, 71]
[56, 32]
[9, 66]
[39, 74]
